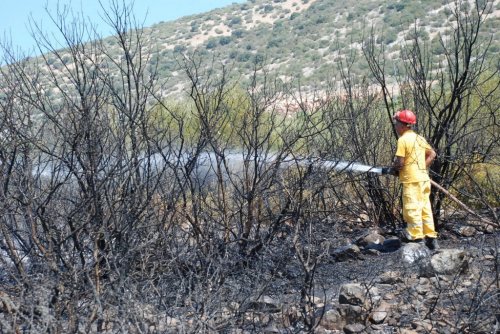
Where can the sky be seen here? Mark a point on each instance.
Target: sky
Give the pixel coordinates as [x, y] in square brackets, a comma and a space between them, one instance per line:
[15, 15]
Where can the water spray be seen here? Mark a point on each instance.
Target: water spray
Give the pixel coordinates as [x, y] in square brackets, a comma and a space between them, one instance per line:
[349, 166]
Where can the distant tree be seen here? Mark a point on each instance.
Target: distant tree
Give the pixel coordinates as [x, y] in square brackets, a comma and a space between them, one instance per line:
[224, 40]
[212, 43]
[237, 33]
[235, 21]
[180, 48]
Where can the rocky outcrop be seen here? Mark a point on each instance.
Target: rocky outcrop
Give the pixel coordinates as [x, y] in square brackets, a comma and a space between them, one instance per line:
[423, 294]
[410, 300]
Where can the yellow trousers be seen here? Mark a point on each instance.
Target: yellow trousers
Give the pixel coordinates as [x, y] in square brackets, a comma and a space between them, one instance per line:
[417, 211]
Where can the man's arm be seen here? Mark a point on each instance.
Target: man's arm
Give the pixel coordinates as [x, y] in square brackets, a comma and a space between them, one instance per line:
[430, 155]
[398, 163]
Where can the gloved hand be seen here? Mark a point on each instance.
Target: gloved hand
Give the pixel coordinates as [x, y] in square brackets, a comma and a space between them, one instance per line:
[390, 171]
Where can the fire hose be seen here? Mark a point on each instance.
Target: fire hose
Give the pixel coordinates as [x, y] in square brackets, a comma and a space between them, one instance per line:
[460, 203]
[392, 171]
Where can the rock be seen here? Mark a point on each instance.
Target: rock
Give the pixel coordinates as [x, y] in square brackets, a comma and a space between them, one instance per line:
[172, 322]
[389, 296]
[352, 313]
[466, 283]
[258, 318]
[465, 231]
[265, 304]
[424, 325]
[378, 317]
[332, 320]
[489, 229]
[372, 240]
[363, 217]
[354, 328]
[271, 329]
[321, 330]
[393, 322]
[407, 331]
[317, 301]
[416, 257]
[424, 280]
[450, 261]
[390, 277]
[377, 328]
[358, 295]
[412, 253]
[422, 289]
[349, 252]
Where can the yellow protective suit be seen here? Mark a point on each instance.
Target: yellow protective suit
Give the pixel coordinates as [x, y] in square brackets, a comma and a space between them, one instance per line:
[417, 211]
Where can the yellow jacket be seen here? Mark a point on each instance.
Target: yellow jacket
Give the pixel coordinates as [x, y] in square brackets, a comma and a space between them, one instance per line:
[412, 147]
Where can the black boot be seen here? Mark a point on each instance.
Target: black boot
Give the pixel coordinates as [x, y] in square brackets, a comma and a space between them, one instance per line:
[432, 243]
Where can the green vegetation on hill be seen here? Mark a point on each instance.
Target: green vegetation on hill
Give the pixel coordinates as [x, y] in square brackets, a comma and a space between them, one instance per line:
[304, 38]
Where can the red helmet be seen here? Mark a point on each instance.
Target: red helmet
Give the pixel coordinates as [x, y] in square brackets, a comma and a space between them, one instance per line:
[406, 116]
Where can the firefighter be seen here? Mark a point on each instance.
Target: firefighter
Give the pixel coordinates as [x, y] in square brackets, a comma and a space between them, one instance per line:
[412, 160]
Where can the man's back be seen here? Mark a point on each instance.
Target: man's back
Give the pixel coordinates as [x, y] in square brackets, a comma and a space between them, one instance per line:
[412, 147]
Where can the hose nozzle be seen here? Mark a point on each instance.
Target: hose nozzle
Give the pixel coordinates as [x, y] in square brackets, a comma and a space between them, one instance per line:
[389, 171]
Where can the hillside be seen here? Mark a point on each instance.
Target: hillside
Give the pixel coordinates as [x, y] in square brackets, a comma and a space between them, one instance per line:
[304, 39]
